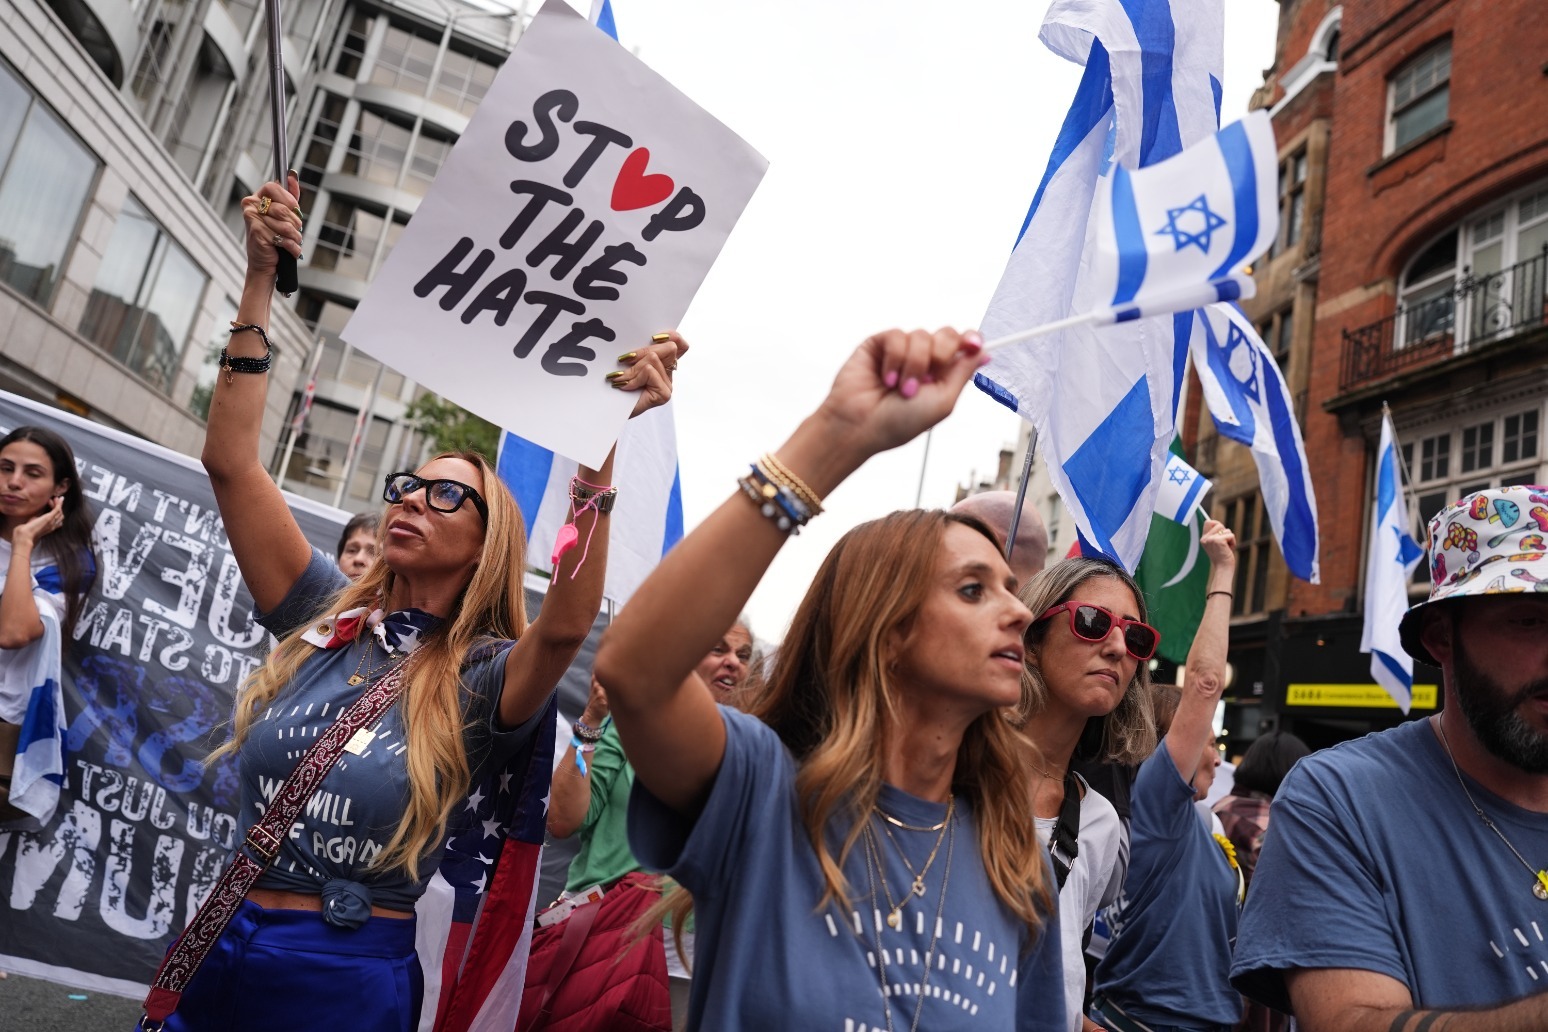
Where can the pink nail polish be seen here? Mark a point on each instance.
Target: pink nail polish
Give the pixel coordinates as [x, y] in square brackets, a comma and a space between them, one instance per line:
[928, 378]
[910, 387]
[891, 379]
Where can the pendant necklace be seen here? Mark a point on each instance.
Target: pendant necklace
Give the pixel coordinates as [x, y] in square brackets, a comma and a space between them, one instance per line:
[873, 867]
[371, 670]
[895, 915]
[1540, 882]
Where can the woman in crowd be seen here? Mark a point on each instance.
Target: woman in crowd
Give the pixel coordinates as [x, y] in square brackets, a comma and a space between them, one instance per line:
[45, 544]
[591, 796]
[357, 545]
[857, 845]
[1086, 696]
[326, 937]
[1244, 813]
[1167, 967]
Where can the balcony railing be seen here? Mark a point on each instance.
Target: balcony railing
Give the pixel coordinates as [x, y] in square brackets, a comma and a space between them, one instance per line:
[1481, 309]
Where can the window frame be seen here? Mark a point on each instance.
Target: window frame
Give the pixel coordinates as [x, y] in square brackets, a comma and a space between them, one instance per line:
[1396, 111]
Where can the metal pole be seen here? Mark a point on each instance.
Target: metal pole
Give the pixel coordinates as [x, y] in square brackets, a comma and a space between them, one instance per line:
[1021, 495]
[919, 493]
[301, 410]
[286, 283]
[362, 425]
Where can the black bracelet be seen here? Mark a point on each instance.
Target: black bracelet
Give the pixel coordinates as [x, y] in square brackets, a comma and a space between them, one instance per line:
[237, 364]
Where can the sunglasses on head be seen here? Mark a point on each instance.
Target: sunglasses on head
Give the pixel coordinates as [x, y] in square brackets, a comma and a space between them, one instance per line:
[1093, 623]
[440, 495]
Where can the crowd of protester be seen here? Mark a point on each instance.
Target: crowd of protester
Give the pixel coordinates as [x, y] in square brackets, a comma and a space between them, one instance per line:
[914, 812]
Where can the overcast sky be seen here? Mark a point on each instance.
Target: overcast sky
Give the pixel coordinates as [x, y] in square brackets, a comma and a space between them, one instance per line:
[905, 140]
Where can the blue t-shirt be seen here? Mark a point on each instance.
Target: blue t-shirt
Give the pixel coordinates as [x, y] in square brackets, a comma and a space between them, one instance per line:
[1170, 957]
[1375, 861]
[356, 809]
[767, 958]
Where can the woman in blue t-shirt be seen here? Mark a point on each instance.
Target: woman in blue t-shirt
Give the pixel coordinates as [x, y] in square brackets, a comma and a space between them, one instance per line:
[45, 550]
[857, 845]
[325, 939]
[1168, 965]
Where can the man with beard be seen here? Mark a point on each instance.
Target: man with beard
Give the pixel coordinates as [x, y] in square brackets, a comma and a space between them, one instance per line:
[1401, 887]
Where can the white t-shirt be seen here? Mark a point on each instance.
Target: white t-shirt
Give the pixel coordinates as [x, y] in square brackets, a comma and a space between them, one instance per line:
[1094, 882]
[15, 683]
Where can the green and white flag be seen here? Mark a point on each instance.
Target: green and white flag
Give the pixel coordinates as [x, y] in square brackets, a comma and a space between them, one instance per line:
[1173, 572]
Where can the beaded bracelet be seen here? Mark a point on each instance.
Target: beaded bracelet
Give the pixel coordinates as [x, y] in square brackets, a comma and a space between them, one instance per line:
[775, 500]
[587, 733]
[239, 364]
[778, 471]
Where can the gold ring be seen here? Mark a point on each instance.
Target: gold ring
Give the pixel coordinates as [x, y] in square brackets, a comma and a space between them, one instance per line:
[671, 367]
[263, 205]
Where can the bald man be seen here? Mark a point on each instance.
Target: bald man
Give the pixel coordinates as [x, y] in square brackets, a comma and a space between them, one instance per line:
[995, 509]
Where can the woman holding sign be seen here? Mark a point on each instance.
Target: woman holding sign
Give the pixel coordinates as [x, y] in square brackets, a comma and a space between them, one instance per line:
[394, 693]
[45, 545]
[857, 845]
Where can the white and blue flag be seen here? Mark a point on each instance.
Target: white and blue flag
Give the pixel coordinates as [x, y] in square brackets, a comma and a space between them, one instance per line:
[648, 516]
[1250, 403]
[1392, 557]
[1179, 234]
[1182, 490]
[1104, 401]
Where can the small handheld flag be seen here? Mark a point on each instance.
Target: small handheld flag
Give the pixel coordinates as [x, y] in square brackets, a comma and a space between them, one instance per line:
[1182, 490]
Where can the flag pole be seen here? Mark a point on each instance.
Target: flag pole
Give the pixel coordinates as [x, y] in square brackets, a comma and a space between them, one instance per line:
[919, 492]
[1047, 328]
[1021, 495]
[286, 282]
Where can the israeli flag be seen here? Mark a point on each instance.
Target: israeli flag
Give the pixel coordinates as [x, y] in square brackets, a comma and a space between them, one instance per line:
[1179, 234]
[647, 519]
[1182, 490]
[1104, 401]
[1392, 556]
[1250, 403]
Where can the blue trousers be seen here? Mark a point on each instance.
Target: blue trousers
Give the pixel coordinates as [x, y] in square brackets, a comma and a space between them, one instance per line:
[275, 969]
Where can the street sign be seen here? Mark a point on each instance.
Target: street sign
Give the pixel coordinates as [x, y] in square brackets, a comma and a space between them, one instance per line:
[1356, 696]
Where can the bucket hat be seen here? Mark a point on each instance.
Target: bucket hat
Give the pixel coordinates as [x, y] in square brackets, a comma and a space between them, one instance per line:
[1492, 542]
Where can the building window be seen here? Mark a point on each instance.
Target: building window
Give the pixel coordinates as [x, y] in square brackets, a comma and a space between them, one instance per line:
[404, 62]
[352, 46]
[1254, 542]
[209, 369]
[147, 292]
[1278, 333]
[325, 129]
[463, 81]
[1292, 201]
[430, 152]
[1419, 96]
[377, 149]
[45, 178]
[1495, 451]
[350, 237]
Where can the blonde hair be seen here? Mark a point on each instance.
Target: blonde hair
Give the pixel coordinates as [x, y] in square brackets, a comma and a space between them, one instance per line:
[831, 698]
[492, 607]
[1128, 733]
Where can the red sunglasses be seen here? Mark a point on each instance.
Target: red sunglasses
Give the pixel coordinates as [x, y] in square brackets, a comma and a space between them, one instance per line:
[1093, 623]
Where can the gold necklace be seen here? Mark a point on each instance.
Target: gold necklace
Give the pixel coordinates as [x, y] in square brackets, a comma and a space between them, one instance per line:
[1540, 878]
[371, 670]
[895, 917]
[874, 863]
[909, 827]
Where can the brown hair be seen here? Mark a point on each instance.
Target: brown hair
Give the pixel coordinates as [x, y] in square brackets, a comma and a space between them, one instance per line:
[492, 606]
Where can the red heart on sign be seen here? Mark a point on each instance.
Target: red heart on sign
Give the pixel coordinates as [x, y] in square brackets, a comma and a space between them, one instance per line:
[634, 189]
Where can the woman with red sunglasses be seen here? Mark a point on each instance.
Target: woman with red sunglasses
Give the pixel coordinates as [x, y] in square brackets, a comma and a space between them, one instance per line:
[1086, 697]
[1168, 966]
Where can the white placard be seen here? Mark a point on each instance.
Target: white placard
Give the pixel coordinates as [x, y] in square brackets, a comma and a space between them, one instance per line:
[576, 216]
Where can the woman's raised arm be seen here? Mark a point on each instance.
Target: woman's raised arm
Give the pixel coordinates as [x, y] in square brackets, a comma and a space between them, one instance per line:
[269, 547]
[895, 386]
[1194, 724]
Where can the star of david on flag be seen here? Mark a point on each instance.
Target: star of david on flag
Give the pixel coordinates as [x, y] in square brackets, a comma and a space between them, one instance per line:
[1194, 213]
[1392, 557]
[1182, 489]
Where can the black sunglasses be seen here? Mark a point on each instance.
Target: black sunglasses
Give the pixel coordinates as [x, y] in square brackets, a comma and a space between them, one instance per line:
[1093, 623]
[440, 495]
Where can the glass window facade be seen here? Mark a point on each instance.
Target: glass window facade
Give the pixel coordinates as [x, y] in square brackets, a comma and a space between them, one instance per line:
[147, 293]
[1420, 95]
[46, 176]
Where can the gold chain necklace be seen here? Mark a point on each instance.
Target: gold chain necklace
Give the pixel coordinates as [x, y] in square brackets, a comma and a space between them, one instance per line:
[895, 915]
[371, 670]
[874, 864]
[1540, 878]
[909, 827]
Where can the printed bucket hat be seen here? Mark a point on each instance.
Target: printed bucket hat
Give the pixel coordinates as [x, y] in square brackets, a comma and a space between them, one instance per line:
[1492, 542]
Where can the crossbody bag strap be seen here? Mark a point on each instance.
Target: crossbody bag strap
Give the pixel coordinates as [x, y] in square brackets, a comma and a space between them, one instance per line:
[260, 847]
[1063, 844]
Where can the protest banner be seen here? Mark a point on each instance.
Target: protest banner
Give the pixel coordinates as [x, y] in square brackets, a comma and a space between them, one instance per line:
[142, 829]
[576, 216]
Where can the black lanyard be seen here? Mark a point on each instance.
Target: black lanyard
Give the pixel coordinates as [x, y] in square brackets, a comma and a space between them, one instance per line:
[1062, 847]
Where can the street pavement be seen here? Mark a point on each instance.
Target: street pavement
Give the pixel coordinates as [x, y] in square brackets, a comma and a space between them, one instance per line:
[32, 1005]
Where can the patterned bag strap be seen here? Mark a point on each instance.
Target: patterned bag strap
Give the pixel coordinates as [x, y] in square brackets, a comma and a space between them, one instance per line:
[258, 851]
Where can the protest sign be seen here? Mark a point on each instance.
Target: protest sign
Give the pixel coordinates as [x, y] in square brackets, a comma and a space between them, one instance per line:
[142, 829]
[576, 216]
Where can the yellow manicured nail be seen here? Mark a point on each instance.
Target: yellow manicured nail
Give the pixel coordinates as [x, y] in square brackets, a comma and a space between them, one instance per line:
[660, 338]
[628, 356]
[615, 374]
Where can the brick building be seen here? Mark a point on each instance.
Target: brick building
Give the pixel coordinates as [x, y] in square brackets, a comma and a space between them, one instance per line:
[1411, 270]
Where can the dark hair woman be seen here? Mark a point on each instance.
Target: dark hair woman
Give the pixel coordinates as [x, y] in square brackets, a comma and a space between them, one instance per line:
[1245, 812]
[358, 544]
[1087, 696]
[45, 544]
[867, 819]
[326, 937]
[1168, 965]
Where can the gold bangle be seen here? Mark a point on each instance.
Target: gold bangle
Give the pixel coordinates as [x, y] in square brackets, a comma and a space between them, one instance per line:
[779, 471]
